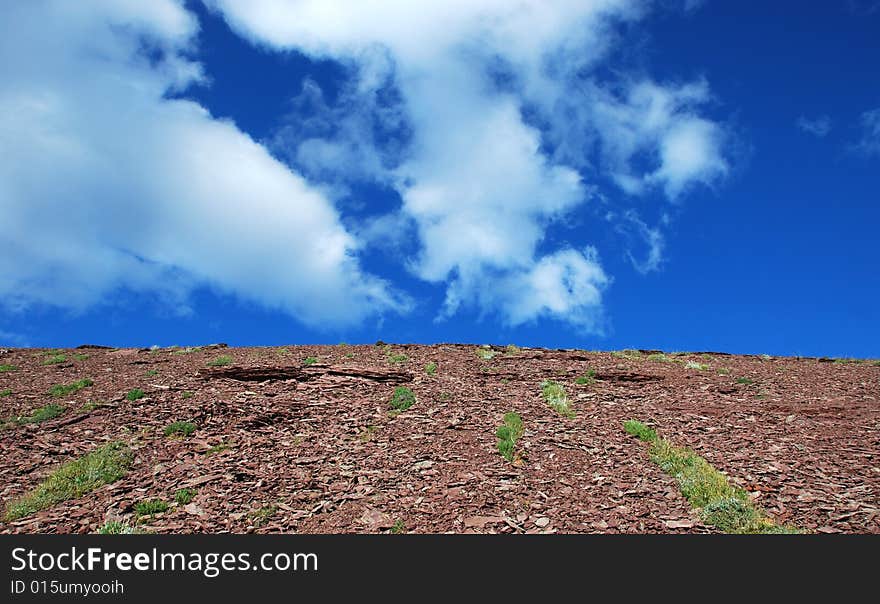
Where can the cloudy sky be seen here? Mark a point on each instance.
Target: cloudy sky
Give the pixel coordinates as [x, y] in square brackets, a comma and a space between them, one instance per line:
[669, 174]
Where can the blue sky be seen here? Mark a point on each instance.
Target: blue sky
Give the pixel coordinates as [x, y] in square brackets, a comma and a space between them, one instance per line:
[609, 174]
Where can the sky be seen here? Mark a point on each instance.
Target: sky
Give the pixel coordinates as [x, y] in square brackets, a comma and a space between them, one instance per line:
[681, 175]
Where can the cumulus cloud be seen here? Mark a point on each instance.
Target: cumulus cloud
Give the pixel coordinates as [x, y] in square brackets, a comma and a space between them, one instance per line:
[108, 183]
[504, 121]
[819, 127]
[870, 143]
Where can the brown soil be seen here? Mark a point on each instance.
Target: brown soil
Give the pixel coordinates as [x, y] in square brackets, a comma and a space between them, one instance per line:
[313, 449]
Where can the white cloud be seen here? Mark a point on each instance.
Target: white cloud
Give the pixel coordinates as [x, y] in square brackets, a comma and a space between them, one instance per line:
[482, 183]
[633, 227]
[107, 184]
[870, 142]
[819, 127]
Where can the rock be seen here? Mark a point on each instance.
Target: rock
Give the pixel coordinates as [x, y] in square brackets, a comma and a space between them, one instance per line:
[542, 521]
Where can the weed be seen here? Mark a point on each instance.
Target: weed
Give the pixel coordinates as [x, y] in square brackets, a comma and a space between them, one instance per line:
[65, 389]
[187, 394]
[368, 433]
[184, 496]
[80, 357]
[220, 361]
[586, 379]
[75, 478]
[766, 357]
[217, 449]
[659, 358]
[42, 414]
[55, 359]
[116, 527]
[91, 406]
[261, 516]
[695, 365]
[310, 360]
[554, 394]
[512, 349]
[148, 507]
[724, 371]
[5, 368]
[745, 381]
[397, 358]
[135, 394]
[508, 433]
[398, 527]
[486, 353]
[151, 373]
[6, 392]
[183, 429]
[629, 354]
[637, 428]
[402, 399]
[720, 504]
[431, 368]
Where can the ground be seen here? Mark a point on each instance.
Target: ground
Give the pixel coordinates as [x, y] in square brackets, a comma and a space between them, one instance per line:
[303, 438]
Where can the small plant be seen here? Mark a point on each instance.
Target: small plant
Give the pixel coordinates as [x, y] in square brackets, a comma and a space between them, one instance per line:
[310, 360]
[508, 433]
[116, 527]
[766, 357]
[486, 353]
[187, 394]
[42, 414]
[75, 478]
[402, 399]
[431, 368]
[217, 449]
[151, 373]
[261, 516]
[586, 379]
[184, 496]
[368, 433]
[397, 358]
[745, 381]
[55, 359]
[135, 394]
[80, 357]
[695, 365]
[554, 394]
[637, 428]
[5, 368]
[6, 392]
[148, 507]
[220, 361]
[659, 358]
[91, 406]
[65, 389]
[398, 527]
[512, 349]
[724, 371]
[182, 429]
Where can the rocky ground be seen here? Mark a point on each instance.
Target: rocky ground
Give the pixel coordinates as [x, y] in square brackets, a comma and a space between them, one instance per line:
[285, 446]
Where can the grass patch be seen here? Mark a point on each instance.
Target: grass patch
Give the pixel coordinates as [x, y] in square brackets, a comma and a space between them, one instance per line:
[402, 399]
[217, 449]
[554, 394]
[310, 360]
[508, 433]
[91, 406]
[220, 361]
[55, 359]
[50, 411]
[74, 479]
[65, 389]
[587, 379]
[261, 516]
[6, 392]
[151, 373]
[148, 507]
[485, 353]
[745, 381]
[397, 358]
[187, 394]
[512, 349]
[5, 368]
[398, 528]
[659, 358]
[184, 496]
[116, 527]
[182, 429]
[637, 428]
[724, 371]
[695, 365]
[80, 357]
[720, 504]
[431, 368]
[135, 394]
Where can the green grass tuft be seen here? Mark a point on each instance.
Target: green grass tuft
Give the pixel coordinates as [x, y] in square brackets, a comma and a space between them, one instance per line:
[485, 353]
[554, 394]
[659, 358]
[508, 433]
[695, 365]
[148, 507]
[65, 389]
[402, 399]
[135, 394]
[184, 496]
[512, 349]
[220, 361]
[183, 429]
[397, 358]
[74, 479]
[50, 411]
[745, 381]
[6, 392]
[55, 359]
[587, 379]
[217, 449]
[398, 528]
[431, 368]
[116, 527]
[187, 394]
[310, 360]
[637, 428]
[151, 373]
[5, 368]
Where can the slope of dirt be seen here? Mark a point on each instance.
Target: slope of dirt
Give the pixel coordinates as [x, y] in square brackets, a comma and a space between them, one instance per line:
[285, 446]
